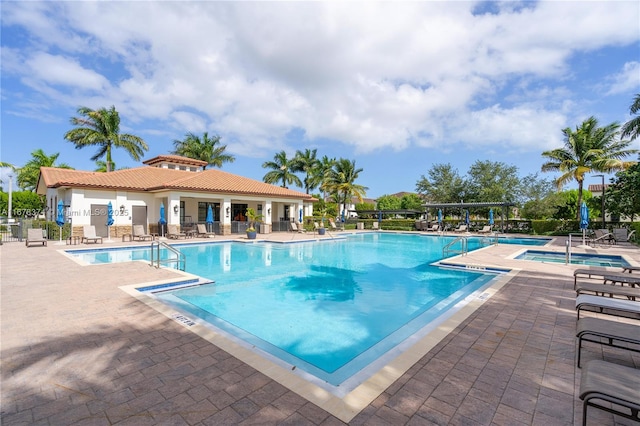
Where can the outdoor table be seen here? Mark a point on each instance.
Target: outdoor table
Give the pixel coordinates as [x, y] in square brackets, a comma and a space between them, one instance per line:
[73, 240]
[632, 280]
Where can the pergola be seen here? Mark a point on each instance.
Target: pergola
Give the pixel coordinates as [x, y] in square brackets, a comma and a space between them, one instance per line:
[504, 205]
[377, 213]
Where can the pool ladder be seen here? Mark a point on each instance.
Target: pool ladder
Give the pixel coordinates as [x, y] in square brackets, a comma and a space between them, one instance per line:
[179, 259]
[464, 247]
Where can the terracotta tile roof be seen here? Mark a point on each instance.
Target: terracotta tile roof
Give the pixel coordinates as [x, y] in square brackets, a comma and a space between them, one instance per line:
[176, 159]
[150, 179]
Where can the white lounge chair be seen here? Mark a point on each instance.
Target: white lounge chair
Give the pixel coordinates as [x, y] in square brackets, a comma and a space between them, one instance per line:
[485, 230]
[35, 235]
[202, 231]
[606, 305]
[294, 228]
[173, 233]
[375, 226]
[139, 234]
[461, 228]
[89, 235]
[622, 235]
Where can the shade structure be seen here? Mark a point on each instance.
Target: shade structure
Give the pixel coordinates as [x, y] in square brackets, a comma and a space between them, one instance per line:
[439, 215]
[584, 221]
[466, 218]
[60, 218]
[209, 218]
[490, 216]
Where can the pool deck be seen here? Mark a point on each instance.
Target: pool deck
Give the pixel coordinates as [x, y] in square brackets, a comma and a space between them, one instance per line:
[77, 349]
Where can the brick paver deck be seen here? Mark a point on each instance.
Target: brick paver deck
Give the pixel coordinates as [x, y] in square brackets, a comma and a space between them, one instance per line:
[75, 349]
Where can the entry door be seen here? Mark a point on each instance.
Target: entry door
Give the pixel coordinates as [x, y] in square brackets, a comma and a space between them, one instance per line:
[139, 216]
[99, 219]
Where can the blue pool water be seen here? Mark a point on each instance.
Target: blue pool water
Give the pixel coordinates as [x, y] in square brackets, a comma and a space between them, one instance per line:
[576, 258]
[329, 308]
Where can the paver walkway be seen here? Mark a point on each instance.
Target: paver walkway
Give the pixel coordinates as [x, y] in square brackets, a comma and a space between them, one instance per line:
[75, 349]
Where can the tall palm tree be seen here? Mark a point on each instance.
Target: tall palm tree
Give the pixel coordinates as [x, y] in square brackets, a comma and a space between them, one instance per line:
[341, 181]
[204, 149]
[588, 149]
[632, 127]
[307, 162]
[27, 176]
[282, 171]
[101, 128]
[325, 165]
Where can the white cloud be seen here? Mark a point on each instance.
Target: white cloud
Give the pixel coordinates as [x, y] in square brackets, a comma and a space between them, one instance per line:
[369, 75]
[627, 80]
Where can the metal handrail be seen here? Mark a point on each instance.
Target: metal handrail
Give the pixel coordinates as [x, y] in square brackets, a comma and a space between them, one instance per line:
[464, 246]
[180, 259]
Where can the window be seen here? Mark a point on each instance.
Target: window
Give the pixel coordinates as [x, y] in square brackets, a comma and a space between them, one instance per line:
[202, 211]
[239, 212]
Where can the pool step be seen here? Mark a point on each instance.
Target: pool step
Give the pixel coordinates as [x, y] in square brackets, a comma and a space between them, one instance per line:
[174, 285]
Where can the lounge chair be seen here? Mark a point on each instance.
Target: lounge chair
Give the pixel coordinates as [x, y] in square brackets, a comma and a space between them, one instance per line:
[461, 228]
[375, 226]
[622, 235]
[612, 290]
[485, 230]
[601, 236]
[601, 273]
[606, 305]
[333, 226]
[612, 388]
[294, 228]
[35, 235]
[608, 333]
[89, 235]
[139, 234]
[173, 233]
[202, 231]
[434, 228]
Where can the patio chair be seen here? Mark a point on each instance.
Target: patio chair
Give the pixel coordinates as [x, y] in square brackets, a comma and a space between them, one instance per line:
[89, 235]
[612, 290]
[434, 228]
[601, 236]
[612, 388]
[622, 235]
[461, 228]
[202, 231]
[608, 333]
[294, 228]
[173, 233]
[485, 230]
[375, 226]
[35, 235]
[139, 234]
[606, 305]
[333, 226]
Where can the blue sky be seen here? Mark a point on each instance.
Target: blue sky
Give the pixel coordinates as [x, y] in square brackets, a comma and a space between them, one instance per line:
[396, 86]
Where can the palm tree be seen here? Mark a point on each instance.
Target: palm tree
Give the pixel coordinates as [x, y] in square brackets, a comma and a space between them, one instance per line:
[325, 165]
[101, 166]
[341, 181]
[102, 128]
[282, 171]
[308, 163]
[632, 127]
[204, 149]
[27, 176]
[588, 149]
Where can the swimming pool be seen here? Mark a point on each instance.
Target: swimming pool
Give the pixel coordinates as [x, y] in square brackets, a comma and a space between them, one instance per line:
[327, 308]
[576, 258]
